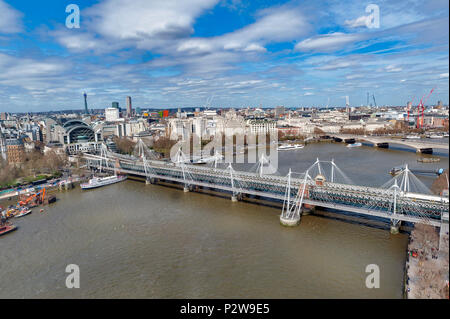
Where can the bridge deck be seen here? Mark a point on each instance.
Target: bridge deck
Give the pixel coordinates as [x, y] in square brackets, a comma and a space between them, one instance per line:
[356, 199]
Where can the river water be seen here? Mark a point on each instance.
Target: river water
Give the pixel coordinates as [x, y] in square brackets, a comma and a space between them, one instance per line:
[132, 240]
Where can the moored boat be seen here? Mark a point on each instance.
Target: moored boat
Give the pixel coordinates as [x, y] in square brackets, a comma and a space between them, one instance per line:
[23, 212]
[6, 228]
[287, 147]
[354, 145]
[103, 181]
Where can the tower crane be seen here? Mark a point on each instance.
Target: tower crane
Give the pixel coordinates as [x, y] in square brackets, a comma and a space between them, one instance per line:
[422, 109]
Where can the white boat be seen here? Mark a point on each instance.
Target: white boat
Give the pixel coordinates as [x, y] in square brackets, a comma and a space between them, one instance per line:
[413, 137]
[287, 147]
[23, 212]
[95, 182]
[354, 145]
[436, 136]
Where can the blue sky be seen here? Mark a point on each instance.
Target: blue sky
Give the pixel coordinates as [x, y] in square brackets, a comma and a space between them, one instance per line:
[167, 53]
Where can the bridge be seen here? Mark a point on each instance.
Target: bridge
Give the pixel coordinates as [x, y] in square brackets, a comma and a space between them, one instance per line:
[322, 185]
[384, 142]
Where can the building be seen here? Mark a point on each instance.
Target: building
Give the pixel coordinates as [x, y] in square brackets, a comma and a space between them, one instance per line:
[86, 111]
[3, 149]
[129, 107]
[112, 114]
[279, 111]
[261, 126]
[76, 136]
[15, 151]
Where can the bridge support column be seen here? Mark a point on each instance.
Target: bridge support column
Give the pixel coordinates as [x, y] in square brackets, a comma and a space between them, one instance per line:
[290, 222]
[425, 150]
[308, 209]
[395, 226]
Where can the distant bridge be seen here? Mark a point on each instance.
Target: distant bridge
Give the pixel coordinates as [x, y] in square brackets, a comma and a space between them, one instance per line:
[311, 188]
[385, 141]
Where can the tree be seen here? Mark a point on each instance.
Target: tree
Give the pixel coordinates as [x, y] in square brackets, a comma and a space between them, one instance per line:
[124, 145]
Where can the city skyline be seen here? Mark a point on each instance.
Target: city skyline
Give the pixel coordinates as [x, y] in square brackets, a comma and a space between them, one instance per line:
[231, 53]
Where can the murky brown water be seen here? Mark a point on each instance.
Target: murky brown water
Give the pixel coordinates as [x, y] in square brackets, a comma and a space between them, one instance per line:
[136, 241]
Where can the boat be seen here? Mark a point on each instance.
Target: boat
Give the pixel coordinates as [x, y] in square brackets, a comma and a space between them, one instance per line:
[413, 137]
[95, 182]
[436, 136]
[287, 147]
[395, 171]
[23, 212]
[6, 228]
[354, 145]
[429, 159]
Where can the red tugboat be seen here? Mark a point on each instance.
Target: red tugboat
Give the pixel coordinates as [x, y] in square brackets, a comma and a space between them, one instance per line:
[6, 228]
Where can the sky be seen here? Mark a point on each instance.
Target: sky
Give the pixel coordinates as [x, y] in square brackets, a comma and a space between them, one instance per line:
[222, 53]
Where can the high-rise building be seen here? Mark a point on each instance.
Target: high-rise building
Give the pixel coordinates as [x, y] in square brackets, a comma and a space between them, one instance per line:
[129, 107]
[111, 114]
[86, 111]
[115, 105]
[15, 150]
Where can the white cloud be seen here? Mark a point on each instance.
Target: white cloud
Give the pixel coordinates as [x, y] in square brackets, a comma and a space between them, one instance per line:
[272, 26]
[393, 68]
[356, 23]
[137, 19]
[10, 19]
[329, 42]
[443, 75]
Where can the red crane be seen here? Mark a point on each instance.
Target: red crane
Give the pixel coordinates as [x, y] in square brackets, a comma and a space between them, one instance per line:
[418, 112]
[423, 107]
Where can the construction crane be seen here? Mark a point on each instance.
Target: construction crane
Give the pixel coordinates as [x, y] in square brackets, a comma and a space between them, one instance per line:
[374, 102]
[421, 109]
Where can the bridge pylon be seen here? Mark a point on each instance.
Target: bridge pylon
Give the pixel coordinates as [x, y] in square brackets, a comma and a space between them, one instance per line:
[292, 206]
[395, 223]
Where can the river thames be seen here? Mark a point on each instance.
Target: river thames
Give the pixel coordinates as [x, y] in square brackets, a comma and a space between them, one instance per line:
[132, 240]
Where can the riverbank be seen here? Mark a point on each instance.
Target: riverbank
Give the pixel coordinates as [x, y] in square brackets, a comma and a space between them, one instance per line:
[427, 265]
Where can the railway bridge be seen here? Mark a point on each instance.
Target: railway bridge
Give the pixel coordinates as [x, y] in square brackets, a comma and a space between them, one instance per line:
[323, 184]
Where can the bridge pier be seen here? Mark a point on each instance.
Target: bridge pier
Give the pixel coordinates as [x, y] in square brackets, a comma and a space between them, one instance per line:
[308, 209]
[427, 150]
[237, 197]
[395, 226]
[290, 222]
